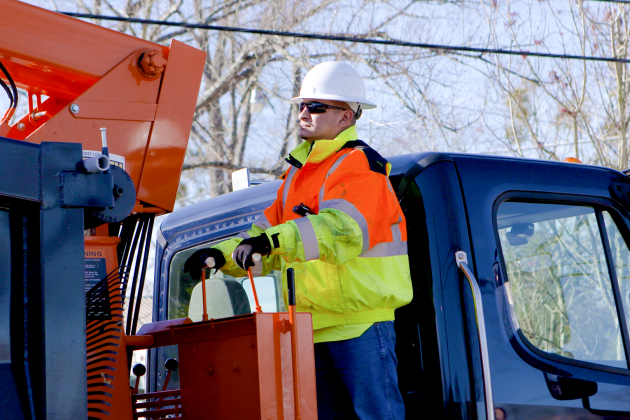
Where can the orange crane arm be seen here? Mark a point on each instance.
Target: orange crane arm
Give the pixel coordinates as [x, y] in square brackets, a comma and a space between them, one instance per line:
[80, 77]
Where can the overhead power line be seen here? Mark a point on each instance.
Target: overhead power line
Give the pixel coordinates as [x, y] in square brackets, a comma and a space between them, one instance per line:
[374, 41]
[613, 1]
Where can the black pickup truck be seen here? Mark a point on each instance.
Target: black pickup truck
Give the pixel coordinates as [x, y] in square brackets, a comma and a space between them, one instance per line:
[521, 276]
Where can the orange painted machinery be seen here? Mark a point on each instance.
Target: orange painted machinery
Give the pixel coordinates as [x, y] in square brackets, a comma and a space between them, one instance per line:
[133, 101]
[82, 77]
[233, 368]
[241, 367]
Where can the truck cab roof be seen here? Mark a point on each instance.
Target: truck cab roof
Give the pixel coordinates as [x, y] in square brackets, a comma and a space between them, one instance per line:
[253, 200]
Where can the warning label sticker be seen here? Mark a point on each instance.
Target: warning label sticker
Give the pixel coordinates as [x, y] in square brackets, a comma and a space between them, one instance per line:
[95, 270]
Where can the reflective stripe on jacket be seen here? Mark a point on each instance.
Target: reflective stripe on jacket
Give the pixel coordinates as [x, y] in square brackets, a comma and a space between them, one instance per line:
[350, 254]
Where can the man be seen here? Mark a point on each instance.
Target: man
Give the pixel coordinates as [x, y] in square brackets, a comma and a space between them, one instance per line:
[336, 221]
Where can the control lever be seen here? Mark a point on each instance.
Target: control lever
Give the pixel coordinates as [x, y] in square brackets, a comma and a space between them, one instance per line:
[294, 342]
[171, 366]
[139, 370]
[255, 257]
[210, 264]
[204, 317]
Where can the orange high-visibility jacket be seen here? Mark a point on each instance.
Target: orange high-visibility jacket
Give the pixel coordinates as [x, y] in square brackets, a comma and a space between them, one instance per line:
[350, 255]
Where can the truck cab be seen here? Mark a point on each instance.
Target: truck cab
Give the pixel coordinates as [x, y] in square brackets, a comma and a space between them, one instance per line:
[521, 279]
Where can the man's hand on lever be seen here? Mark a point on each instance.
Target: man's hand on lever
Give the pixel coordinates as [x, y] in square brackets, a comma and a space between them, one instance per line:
[244, 254]
[207, 257]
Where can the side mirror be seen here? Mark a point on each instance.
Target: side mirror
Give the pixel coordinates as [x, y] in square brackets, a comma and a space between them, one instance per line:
[519, 233]
[563, 388]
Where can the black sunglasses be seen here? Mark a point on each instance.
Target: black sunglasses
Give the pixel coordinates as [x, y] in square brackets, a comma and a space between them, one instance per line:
[318, 107]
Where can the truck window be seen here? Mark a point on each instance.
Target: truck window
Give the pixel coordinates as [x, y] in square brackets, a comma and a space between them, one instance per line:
[621, 261]
[226, 295]
[558, 281]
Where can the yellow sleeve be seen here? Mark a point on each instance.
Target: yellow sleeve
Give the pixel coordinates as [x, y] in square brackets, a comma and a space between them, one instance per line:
[331, 236]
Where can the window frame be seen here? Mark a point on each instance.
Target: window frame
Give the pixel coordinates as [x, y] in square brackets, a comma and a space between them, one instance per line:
[166, 260]
[520, 343]
[167, 269]
[209, 243]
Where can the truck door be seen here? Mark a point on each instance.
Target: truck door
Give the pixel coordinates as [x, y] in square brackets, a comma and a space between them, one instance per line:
[439, 368]
[551, 257]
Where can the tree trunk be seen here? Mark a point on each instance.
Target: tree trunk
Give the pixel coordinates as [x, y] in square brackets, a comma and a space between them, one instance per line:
[292, 133]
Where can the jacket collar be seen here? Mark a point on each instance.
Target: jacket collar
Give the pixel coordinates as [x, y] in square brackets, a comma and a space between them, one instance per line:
[320, 150]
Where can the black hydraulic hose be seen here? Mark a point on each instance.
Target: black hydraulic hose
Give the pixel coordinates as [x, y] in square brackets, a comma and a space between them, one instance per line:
[131, 262]
[130, 251]
[126, 232]
[143, 272]
[14, 102]
[136, 272]
[6, 89]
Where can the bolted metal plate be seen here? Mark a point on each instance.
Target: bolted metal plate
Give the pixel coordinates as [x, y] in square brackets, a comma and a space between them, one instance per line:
[124, 197]
[86, 190]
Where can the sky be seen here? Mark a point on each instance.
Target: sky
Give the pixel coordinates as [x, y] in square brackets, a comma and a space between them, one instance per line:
[459, 92]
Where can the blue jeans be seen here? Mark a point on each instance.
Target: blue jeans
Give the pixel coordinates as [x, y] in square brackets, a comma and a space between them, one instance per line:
[357, 379]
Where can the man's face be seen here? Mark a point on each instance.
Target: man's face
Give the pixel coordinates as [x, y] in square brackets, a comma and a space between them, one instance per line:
[325, 126]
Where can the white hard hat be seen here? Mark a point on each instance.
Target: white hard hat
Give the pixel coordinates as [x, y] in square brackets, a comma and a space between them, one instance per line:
[335, 81]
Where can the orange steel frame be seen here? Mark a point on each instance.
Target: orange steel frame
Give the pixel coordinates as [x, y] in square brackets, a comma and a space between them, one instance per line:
[239, 367]
[148, 111]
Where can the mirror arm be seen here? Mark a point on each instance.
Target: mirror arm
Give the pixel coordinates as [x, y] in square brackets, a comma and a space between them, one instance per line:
[604, 413]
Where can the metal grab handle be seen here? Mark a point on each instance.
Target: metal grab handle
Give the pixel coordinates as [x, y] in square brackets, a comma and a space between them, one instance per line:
[462, 262]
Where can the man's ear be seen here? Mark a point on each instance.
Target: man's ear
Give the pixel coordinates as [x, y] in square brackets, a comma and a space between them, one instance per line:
[347, 119]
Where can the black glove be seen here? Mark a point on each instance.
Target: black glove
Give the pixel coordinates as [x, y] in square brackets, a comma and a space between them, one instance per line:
[197, 261]
[242, 255]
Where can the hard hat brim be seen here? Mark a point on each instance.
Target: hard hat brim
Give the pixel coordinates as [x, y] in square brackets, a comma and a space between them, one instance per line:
[365, 104]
